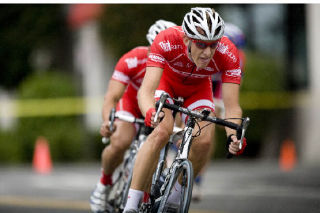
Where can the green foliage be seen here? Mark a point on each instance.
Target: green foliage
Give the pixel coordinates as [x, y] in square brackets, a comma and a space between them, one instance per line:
[23, 28]
[66, 134]
[263, 73]
[10, 148]
[124, 26]
[47, 85]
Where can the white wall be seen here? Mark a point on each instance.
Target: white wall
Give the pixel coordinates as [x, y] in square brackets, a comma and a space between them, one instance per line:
[309, 120]
[96, 68]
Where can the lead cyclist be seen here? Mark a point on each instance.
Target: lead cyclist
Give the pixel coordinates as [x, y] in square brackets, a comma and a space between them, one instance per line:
[181, 62]
[122, 94]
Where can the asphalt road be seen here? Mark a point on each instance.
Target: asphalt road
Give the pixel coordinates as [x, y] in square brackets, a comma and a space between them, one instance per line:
[233, 186]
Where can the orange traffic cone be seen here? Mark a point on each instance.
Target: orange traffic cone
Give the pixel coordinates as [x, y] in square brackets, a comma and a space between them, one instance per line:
[41, 157]
[287, 158]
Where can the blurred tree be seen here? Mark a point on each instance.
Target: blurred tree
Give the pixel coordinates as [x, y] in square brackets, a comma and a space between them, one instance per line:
[66, 134]
[24, 28]
[124, 26]
[296, 57]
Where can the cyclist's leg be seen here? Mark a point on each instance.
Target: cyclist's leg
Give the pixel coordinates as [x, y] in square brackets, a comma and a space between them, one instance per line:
[121, 139]
[197, 186]
[219, 110]
[112, 155]
[148, 155]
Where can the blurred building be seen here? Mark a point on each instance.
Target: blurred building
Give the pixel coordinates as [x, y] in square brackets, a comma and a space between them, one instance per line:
[90, 59]
[290, 32]
[309, 116]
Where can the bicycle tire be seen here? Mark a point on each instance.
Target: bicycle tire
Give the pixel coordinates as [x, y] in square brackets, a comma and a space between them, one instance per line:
[125, 191]
[184, 168]
[120, 188]
[116, 191]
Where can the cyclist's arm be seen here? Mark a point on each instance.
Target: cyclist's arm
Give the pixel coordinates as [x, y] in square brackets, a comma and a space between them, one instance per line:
[112, 97]
[230, 95]
[148, 87]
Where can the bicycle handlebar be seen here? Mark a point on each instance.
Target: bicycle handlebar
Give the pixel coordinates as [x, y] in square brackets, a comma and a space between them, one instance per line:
[241, 129]
[113, 116]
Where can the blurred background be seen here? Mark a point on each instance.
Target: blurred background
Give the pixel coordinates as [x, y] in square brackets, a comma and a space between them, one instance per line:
[56, 61]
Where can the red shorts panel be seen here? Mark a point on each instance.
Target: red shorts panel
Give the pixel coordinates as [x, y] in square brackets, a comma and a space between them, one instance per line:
[129, 103]
[196, 96]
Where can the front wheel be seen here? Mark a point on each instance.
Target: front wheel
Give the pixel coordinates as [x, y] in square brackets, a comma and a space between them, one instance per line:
[183, 172]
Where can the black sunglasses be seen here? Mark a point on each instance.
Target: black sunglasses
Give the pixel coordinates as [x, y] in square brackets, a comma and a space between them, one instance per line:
[204, 45]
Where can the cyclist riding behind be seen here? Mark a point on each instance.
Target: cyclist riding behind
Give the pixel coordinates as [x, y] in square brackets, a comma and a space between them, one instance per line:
[181, 62]
[236, 35]
[122, 93]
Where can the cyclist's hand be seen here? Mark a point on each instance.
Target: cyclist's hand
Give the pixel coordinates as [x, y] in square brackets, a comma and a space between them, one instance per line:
[148, 121]
[105, 129]
[234, 145]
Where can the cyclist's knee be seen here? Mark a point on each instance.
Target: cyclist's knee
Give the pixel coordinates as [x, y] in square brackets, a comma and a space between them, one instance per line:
[120, 143]
[202, 145]
[159, 137]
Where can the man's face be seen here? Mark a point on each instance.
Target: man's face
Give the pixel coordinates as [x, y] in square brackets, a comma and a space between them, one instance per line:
[202, 52]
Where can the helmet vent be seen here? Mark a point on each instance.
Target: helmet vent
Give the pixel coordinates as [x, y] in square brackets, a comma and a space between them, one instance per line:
[189, 30]
[217, 31]
[198, 15]
[209, 22]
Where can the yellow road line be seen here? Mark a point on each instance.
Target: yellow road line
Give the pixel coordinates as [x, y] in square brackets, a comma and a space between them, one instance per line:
[58, 204]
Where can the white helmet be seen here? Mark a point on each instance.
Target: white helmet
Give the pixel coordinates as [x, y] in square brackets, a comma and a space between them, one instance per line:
[207, 20]
[157, 27]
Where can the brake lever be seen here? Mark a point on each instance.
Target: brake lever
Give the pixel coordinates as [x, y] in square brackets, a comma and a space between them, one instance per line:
[163, 98]
[244, 125]
[112, 117]
[241, 133]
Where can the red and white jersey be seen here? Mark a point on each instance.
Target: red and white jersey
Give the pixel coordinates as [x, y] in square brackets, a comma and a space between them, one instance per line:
[170, 53]
[131, 69]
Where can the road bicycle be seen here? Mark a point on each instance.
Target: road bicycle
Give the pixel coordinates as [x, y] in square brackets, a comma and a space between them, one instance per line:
[181, 167]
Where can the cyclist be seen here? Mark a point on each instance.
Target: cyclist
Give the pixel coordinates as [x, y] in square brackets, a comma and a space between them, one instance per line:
[122, 93]
[181, 62]
[236, 35]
